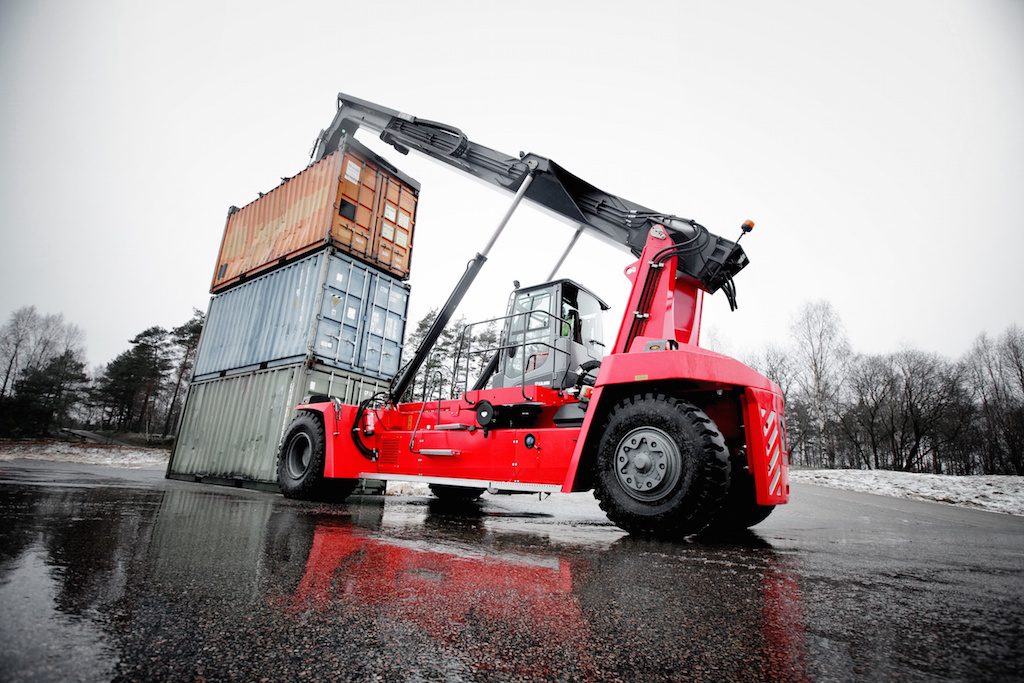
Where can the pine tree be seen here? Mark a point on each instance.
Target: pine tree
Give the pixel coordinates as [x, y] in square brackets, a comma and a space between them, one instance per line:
[185, 338]
[46, 394]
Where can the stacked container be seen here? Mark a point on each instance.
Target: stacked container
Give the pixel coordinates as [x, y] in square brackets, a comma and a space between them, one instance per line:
[308, 298]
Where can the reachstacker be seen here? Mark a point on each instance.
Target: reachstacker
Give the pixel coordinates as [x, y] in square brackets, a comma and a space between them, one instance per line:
[674, 439]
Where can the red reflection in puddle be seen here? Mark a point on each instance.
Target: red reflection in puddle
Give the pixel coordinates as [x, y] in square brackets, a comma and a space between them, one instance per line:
[522, 614]
[785, 642]
[454, 596]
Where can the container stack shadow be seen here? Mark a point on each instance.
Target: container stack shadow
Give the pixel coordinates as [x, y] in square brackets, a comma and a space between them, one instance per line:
[308, 298]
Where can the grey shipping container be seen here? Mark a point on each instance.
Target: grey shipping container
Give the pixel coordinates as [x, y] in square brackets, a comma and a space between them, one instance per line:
[231, 427]
[328, 307]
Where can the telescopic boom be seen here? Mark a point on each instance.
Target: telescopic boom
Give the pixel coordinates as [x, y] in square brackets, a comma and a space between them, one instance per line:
[708, 259]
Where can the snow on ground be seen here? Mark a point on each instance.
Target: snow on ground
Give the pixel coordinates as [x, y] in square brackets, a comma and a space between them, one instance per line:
[993, 493]
[1001, 493]
[407, 488]
[90, 454]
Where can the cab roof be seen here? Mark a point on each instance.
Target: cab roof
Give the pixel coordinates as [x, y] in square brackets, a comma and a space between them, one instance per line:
[545, 285]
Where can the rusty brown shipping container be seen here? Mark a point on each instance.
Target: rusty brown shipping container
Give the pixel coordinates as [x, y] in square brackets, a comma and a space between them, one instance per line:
[353, 199]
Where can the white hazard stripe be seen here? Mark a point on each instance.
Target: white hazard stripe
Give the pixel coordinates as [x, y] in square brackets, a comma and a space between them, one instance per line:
[774, 488]
[774, 449]
[774, 459]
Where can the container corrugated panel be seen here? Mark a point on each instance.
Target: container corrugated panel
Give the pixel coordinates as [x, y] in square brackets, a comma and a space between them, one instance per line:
[273, 319]
[266, 319]
[352, 198]
[285, 222]
[231, 428]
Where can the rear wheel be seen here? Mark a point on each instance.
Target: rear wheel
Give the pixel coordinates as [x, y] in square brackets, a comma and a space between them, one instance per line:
[455, 494]
[662, 467]
[300, 462]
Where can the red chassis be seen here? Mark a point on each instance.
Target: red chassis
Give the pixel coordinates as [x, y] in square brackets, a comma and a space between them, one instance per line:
[655, 353]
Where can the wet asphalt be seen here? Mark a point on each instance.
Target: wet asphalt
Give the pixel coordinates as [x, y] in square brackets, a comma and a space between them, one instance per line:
[112, 574]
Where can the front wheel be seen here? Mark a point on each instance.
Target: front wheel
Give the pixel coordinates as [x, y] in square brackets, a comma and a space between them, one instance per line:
[300, 462]
[662, 467]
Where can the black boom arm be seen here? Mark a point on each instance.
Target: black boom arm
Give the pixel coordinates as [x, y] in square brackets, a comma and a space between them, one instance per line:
[707, 258]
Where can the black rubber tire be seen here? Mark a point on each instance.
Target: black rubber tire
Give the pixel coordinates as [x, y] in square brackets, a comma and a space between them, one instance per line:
[687, 506]
[456, 494]
[740, 510]
[300, 463]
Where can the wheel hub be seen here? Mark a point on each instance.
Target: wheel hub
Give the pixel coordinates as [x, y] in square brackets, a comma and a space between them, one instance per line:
[648, 463]
[642, 462]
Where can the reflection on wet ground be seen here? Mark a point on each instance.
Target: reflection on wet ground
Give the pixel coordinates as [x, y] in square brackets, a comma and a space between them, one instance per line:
[163, 580]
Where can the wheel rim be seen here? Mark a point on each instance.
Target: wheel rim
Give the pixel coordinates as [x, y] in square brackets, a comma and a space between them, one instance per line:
[300, 452]
[647, 464]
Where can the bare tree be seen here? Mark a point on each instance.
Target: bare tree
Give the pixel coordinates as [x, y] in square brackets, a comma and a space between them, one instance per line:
[15, 337]
[1011, 357]
[994, 369]
[820, 351]
[46, 340]
[870, 387]
[31, 340]
[777, 364]
[928, 412]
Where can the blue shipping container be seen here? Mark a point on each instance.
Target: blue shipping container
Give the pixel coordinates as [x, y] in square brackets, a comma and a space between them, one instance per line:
[328, 307]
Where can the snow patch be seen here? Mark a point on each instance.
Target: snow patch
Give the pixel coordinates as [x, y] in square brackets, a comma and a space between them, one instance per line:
[407, 488]
[89, 454]
[995, 493]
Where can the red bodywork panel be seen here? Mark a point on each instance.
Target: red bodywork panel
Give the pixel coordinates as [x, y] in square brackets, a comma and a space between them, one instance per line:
[767, 444]
[498, 456]
[411, 446]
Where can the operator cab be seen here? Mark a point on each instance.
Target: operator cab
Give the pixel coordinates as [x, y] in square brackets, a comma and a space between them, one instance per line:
[550, 330]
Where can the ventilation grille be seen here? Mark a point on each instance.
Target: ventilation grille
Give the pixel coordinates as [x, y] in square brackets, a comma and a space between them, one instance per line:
[389, 450]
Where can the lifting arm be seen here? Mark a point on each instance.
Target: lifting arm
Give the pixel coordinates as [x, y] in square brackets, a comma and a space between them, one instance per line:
[711, 261]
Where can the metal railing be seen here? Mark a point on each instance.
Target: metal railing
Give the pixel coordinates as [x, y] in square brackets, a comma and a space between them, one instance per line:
[465, 352]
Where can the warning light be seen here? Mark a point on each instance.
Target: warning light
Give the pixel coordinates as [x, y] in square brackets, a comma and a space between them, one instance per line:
[747, 226]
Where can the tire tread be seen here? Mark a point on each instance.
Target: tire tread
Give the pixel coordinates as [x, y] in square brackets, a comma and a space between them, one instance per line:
[708, 489]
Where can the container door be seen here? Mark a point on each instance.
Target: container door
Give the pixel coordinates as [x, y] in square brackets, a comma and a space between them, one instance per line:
[396, 221]
[385, 327]
[331, 384]
[341, 314]
[348, 388]
[357, 205]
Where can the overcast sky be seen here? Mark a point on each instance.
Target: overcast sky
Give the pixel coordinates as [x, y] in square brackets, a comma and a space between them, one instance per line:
[879, 146]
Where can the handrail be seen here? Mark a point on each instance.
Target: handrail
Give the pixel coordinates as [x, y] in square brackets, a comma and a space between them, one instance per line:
[462, 343]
